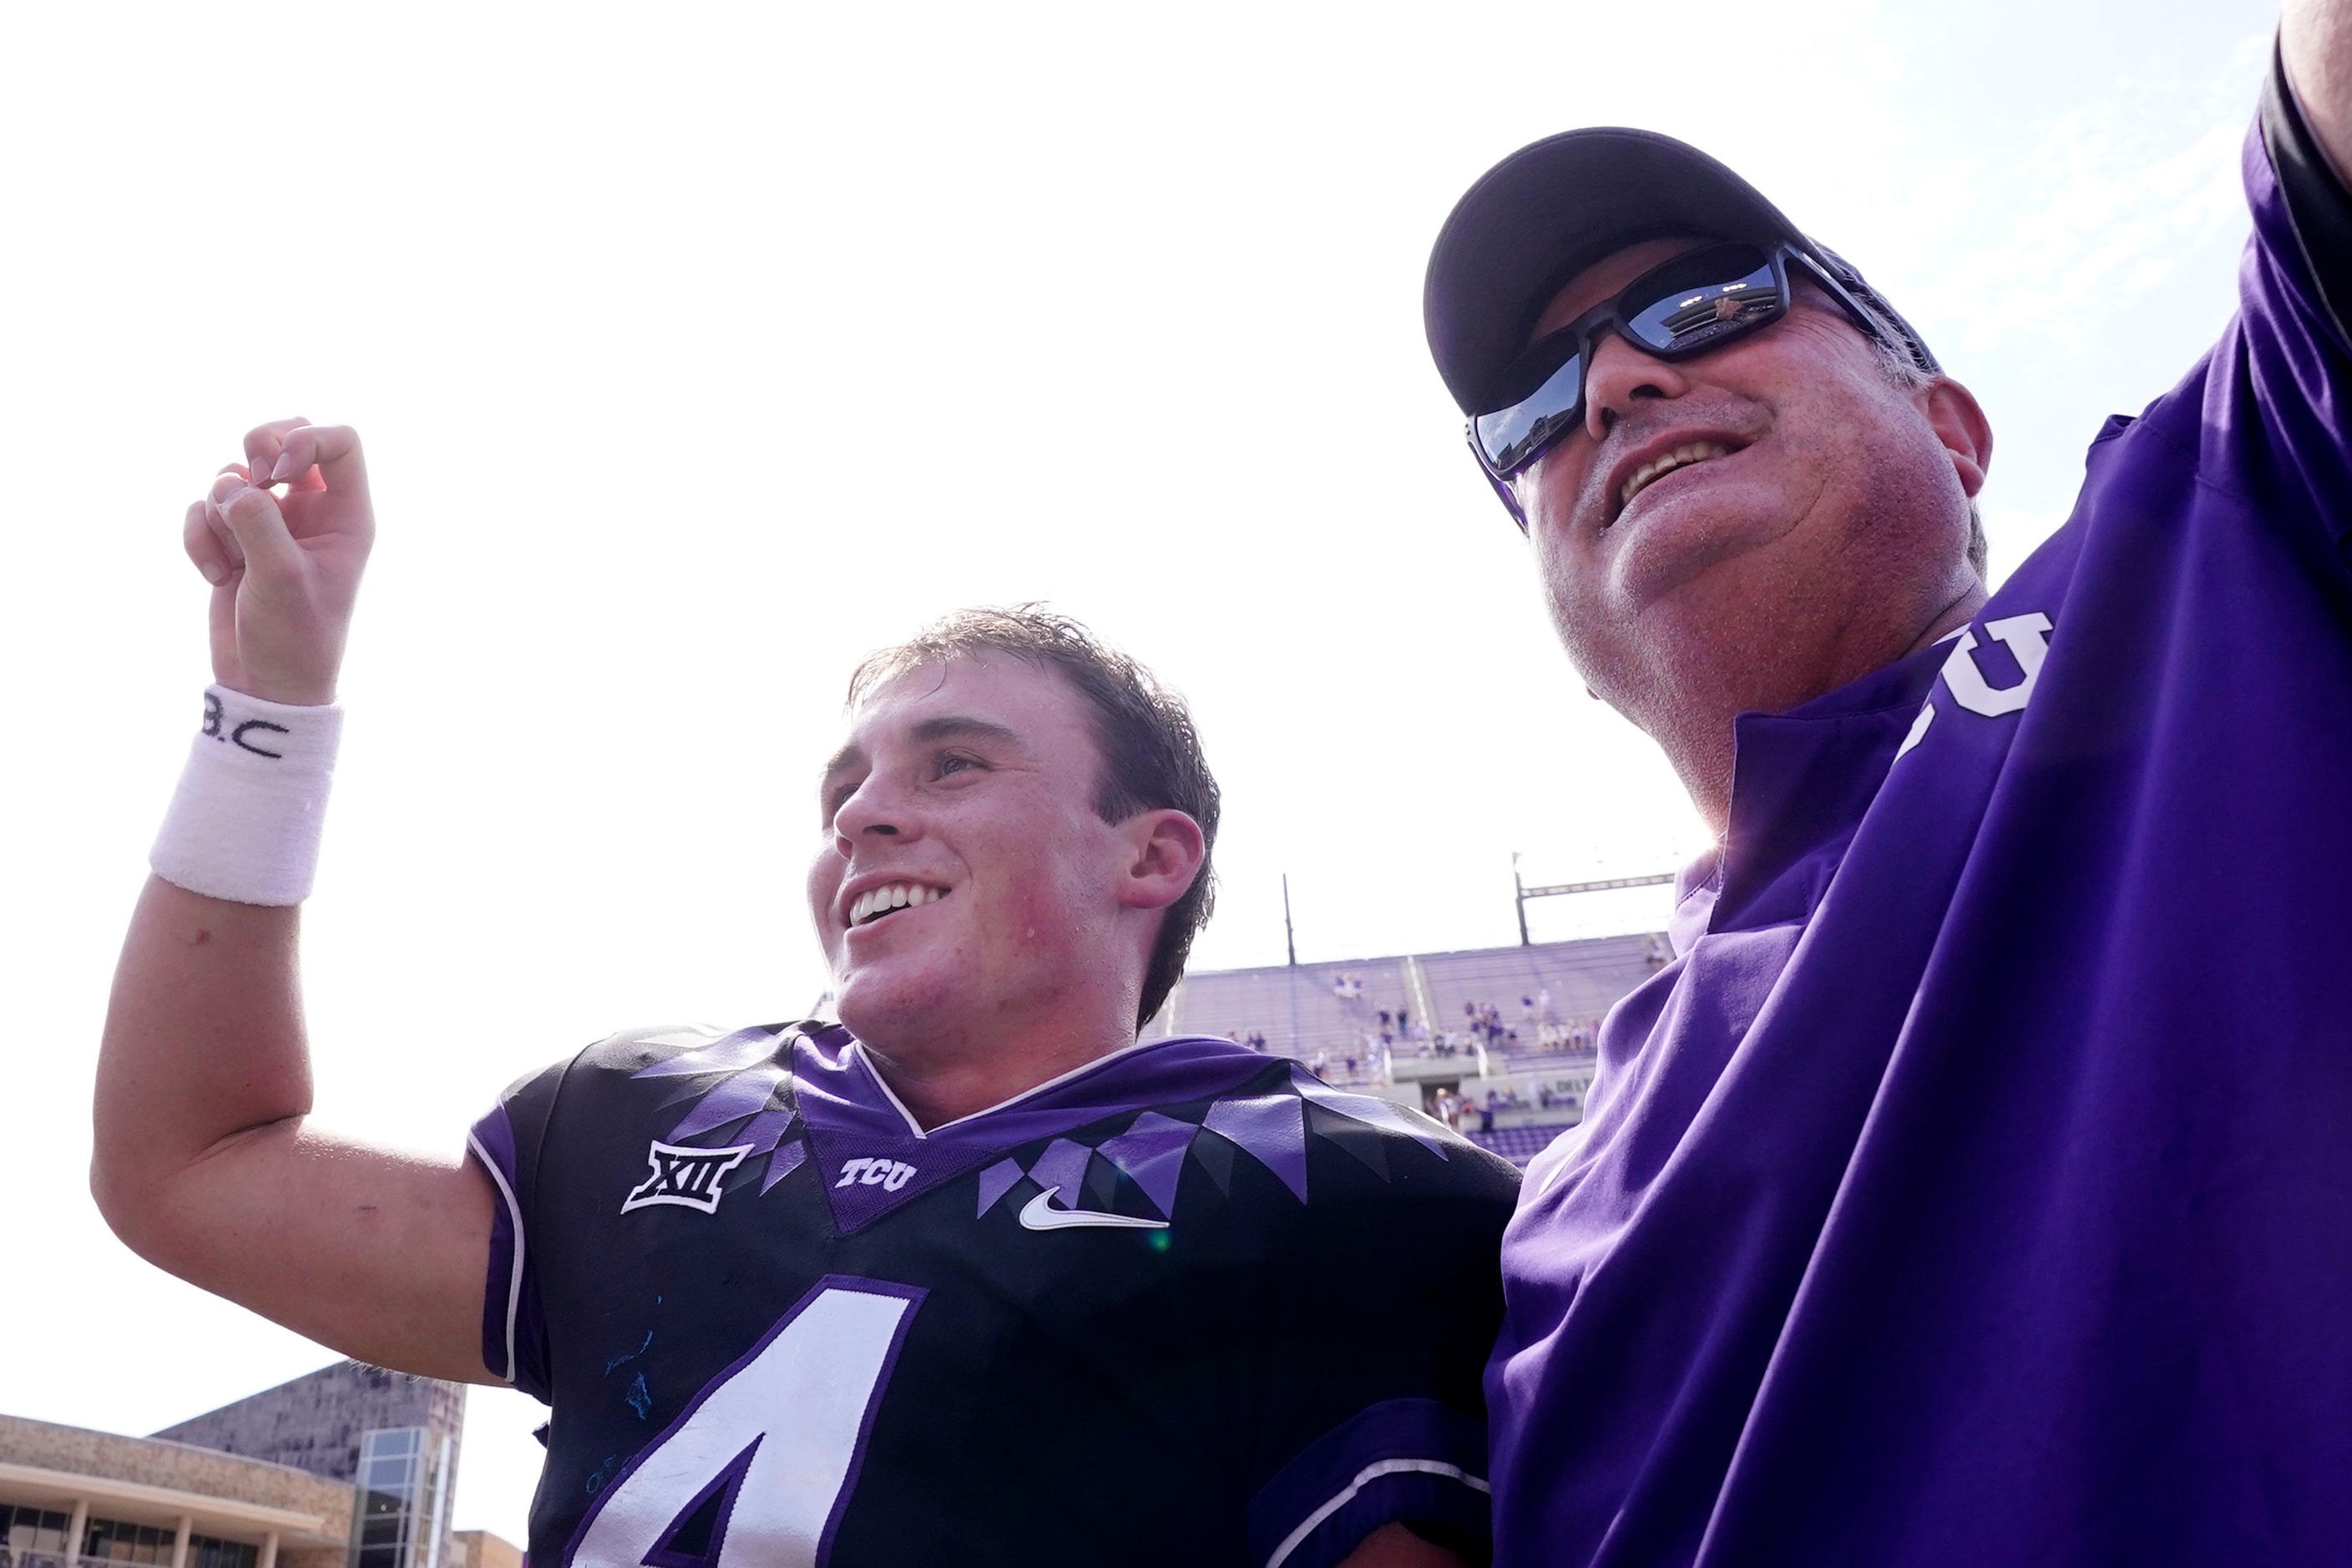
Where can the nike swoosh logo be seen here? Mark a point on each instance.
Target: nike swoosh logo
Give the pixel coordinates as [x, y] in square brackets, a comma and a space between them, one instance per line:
[1038, 1215]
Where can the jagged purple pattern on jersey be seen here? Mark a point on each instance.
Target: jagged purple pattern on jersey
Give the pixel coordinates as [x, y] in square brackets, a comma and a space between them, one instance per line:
[1152, 1152]
[996, 1180]
[751, 1061]
[1063, 1165]
[749, 1065]
[730, 1100]
[730, 1053]
[1371, 1111]
[782, 1163]
[1270, 1127]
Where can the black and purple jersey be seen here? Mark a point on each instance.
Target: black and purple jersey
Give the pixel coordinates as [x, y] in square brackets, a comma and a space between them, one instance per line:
[1186, 1305]
[1975, 1186]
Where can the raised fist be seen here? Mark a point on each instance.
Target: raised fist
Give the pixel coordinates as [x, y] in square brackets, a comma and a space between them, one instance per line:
[284, 570]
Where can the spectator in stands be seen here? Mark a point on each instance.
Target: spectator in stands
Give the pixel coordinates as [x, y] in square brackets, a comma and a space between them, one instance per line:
[1543, 1006]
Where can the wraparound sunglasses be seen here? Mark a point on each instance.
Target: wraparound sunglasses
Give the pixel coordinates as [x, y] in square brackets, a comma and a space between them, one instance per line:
[1695, 302]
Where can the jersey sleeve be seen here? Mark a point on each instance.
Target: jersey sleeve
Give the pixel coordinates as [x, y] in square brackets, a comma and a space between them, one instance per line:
[507, 1143]
[2281, 400]
[1373, 1411]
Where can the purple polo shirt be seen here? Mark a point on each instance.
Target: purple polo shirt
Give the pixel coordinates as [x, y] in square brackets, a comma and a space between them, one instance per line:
[1975, 1187]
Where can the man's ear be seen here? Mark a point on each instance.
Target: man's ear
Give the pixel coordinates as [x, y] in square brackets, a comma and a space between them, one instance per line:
[1952, 412]
[1166, 850]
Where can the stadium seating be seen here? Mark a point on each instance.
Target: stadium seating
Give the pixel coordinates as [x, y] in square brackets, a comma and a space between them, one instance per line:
[1298, 1010]
[1302, 1014]
[1585, 979]
[1519, 1144]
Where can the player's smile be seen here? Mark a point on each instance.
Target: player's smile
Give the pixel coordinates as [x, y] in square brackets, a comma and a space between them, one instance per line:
[878, 903]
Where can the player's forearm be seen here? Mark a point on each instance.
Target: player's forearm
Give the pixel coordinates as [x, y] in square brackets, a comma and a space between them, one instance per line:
[2316, 41]
[203, 1045]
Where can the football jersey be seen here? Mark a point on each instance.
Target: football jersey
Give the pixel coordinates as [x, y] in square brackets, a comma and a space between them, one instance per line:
[1185, 1305]
[1975, 1185]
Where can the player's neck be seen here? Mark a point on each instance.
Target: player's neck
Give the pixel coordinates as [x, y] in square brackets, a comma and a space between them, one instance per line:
[942, 1080]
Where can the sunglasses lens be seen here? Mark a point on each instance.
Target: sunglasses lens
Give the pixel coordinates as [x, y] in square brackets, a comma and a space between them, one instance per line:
[1685, 307]
[1696, 301]
[1510, 437]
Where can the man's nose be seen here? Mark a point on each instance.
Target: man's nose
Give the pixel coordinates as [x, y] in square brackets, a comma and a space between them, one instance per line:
[874, 809]
[1618, 376]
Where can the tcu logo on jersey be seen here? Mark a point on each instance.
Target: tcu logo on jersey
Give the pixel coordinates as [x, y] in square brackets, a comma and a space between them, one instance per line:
[887, 1174]
[2027, 637]
[687, 1177]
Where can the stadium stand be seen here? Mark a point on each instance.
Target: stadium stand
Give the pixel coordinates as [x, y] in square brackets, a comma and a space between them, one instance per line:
[1504, 1050]
[1519, 1144]
[1585, 978]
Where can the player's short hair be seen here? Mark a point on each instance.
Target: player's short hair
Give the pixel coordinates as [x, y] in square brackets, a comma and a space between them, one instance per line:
[1151, 752]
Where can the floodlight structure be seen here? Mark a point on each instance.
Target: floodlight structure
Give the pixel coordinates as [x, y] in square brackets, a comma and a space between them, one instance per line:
[1521, 892]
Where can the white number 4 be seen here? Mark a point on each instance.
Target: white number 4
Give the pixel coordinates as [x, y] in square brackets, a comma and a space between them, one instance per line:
[779, 1433]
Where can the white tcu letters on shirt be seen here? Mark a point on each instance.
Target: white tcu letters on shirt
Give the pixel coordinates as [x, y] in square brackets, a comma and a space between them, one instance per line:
[2028, 639]
[2028, 636]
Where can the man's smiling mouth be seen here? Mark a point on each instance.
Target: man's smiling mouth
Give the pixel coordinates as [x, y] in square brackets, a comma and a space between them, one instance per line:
[1667, 463]
[875, 903]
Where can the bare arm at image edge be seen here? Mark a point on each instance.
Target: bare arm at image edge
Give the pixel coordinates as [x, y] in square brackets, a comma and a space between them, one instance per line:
[204, 1160]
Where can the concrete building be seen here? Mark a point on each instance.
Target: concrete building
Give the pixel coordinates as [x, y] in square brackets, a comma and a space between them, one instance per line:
[349, 1466]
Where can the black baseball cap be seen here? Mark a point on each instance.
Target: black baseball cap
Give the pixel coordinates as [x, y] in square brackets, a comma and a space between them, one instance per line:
[1555, 206]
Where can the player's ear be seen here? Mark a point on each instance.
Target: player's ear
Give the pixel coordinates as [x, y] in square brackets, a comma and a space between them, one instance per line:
[1165, 851]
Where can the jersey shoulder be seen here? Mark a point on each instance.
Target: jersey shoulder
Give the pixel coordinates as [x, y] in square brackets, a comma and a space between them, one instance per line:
[1394, 1141]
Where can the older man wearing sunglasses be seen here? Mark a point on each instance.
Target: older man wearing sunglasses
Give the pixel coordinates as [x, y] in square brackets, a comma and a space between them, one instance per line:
[1975, 1186]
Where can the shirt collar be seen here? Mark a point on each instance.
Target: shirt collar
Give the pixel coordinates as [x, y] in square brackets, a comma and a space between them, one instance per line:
[1800, 783]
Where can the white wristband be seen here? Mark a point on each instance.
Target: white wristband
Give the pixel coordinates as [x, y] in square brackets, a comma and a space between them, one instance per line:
[244, 823]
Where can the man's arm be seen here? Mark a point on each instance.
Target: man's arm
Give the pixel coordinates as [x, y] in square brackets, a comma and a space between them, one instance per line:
[2315, 42]
[204, 1163]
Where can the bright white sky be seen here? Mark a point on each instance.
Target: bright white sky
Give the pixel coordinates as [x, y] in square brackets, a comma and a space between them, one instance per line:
[699, 349]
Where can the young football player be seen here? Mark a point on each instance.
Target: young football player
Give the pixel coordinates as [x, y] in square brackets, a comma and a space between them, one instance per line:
[973, 1275]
